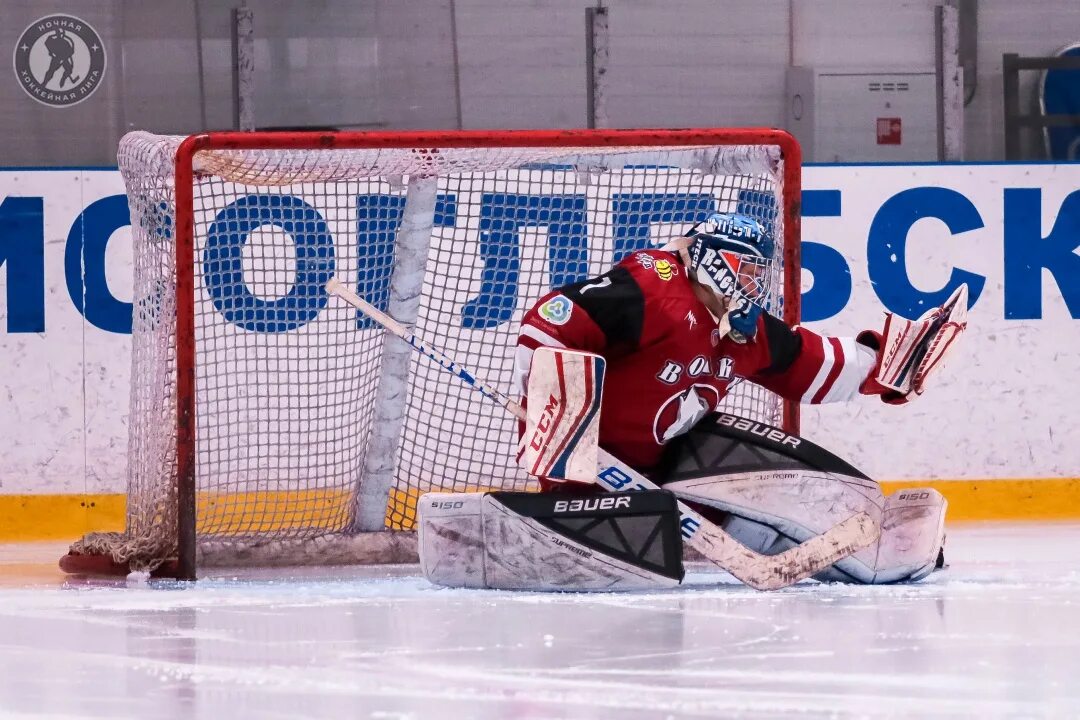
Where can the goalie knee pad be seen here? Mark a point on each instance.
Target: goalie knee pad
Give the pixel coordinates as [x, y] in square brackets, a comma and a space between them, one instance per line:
[550, 541]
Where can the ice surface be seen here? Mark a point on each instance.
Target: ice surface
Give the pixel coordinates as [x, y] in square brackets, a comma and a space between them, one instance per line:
[996, 635]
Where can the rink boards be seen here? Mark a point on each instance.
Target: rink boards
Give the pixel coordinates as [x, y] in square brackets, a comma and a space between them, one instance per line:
[996, 435]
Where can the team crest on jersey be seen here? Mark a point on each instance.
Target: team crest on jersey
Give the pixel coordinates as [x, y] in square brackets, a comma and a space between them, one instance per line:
[557, 310]
[683, 410]
[645, 261]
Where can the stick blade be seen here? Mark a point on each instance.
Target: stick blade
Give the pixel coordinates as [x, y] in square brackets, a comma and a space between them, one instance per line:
[773, 572]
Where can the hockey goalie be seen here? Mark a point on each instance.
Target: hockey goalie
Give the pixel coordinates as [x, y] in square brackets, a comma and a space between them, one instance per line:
[636, 361]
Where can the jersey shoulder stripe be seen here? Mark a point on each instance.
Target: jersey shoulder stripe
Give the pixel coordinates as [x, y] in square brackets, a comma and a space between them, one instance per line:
[615, 303]
[784, 343]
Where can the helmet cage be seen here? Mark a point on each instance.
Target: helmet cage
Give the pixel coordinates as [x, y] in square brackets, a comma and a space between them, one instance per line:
[741, 278]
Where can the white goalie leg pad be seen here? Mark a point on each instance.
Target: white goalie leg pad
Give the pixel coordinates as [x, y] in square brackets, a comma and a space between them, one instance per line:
[773, 510]
[912, 535]
[450, 539]
[562, 426]
[472, 540]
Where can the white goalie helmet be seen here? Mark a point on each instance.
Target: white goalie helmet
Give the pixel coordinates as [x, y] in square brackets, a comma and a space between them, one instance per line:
[730, 254]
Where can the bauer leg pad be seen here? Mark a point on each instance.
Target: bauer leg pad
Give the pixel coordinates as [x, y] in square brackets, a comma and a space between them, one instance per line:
[912, 535]
[556, 541]
[772, 511]
[912, 524]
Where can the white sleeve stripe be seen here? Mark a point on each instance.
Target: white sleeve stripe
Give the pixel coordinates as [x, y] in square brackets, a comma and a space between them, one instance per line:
[823, 372]
[537, 334]
[859, 360]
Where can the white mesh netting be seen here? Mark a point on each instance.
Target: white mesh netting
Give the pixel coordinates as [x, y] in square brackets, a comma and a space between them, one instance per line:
[309, 422]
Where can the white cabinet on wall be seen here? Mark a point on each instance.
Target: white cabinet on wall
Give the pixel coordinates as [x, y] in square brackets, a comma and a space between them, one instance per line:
[846, 115]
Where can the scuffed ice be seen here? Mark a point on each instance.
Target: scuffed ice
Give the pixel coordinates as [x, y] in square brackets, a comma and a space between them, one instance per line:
[997, 635]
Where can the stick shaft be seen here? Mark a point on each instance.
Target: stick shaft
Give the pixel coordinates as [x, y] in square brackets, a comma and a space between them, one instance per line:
[437, 356]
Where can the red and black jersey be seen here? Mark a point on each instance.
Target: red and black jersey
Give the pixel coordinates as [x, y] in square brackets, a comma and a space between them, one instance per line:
[667, 365]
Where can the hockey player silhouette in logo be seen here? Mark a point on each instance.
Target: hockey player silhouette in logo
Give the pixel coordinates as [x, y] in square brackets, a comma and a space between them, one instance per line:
[62, 55]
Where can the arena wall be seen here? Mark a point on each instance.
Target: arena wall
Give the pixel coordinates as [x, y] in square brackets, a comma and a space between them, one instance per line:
[997, 435]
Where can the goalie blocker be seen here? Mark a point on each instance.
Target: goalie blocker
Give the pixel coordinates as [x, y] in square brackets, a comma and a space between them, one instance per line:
[550, 541]
[562, 424]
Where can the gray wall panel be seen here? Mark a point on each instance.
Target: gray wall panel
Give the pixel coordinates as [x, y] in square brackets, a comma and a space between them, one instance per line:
[849, 33]
[386, 63]
[1036, 27]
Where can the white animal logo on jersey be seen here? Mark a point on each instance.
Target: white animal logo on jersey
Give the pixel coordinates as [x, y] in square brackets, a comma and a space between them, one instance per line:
[683, 410]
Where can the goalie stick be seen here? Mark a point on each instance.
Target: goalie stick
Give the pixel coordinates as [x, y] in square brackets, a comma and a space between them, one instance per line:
[761, 572]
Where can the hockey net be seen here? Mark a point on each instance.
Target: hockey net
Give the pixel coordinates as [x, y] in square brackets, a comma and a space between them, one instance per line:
[270, 419]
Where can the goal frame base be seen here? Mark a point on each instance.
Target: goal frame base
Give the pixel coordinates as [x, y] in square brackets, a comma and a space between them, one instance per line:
[387, 547]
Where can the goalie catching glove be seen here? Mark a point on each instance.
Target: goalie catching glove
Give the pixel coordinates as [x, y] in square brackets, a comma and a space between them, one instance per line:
[912, 351]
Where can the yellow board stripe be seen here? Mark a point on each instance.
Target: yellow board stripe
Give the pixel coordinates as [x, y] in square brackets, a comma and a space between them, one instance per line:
[1013, 499]
[67, 517]
[282, 510]
[58, 517]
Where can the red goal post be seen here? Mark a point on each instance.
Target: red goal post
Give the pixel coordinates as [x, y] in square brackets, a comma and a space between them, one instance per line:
[247, 403]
